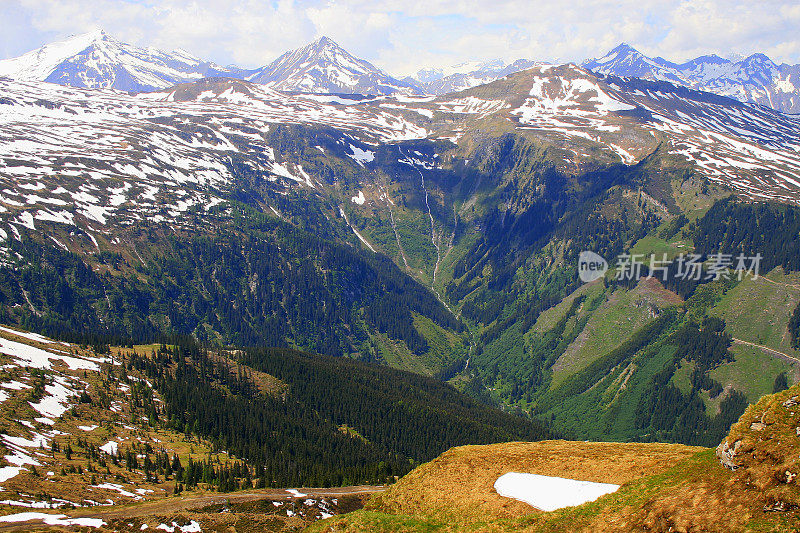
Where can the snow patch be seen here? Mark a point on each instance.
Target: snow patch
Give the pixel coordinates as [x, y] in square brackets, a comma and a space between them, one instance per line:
[359, 198]
[549, 493]
[52, 519]
[361, 156]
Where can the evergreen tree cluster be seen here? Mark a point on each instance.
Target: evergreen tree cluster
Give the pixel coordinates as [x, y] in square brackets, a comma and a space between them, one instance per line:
[794, 328]
[673, 415]
[772, 230]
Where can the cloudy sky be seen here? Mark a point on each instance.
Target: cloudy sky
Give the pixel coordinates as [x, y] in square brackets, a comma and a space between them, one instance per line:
[401, 36]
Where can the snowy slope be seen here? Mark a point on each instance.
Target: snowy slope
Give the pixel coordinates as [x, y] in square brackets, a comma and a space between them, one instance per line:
[97, 60]
[754, 79]
[325, 67]
[750, 149]
[592, 119]
[467, 75]
[100, 160]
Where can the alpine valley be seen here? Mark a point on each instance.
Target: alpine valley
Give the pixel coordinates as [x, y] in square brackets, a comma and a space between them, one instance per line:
[314, 274]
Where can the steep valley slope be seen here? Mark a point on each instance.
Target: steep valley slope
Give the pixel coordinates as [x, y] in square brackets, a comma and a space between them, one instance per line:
[434, 235]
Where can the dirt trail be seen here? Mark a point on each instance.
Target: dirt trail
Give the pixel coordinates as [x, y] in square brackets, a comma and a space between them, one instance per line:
[767, 349]
[172, 505]
[789, 285]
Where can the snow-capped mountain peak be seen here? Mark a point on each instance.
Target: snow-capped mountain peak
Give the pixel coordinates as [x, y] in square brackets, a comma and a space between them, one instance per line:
[37, 65]
[625, 60]
[98, 60]
[325, 67]
[754, 79]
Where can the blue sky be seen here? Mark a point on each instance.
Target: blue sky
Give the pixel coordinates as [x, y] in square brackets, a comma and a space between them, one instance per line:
[401, 36]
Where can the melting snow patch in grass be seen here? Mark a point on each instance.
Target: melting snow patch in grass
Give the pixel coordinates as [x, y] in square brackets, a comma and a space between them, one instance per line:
[360, 156]
[7, 472]
[32, 336]
[55, 504]
[118, 488]
[359, 199]
[550, 493]
[57, 403]
[37, 358]
[53, 519]
[296, 493]
[15, 385]
[110, 447]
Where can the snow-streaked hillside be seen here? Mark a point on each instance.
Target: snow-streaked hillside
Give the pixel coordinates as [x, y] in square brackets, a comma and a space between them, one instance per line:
[97, 60]
[70, 154]
[43, 382]
[98, 159]
[749, 149]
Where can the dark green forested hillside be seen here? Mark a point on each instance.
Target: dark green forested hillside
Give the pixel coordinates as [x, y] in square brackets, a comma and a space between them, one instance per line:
[259, 281]
[339, 421]
[630, 360]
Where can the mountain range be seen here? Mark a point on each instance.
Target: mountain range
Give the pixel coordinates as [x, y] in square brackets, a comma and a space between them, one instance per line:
[467, 75]
[417, 232]
[755, 79]
[97, 60]
[439, 235]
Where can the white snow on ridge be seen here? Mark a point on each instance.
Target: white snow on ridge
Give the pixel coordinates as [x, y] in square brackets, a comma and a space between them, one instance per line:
[548, 493]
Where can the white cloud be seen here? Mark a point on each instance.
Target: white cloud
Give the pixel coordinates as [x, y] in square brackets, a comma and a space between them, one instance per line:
[401, 36]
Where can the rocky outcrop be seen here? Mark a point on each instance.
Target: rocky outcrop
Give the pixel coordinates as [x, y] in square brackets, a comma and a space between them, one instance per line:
[763, 448]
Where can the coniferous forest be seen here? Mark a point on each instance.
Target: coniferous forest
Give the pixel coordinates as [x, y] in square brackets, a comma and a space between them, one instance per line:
[337, 422]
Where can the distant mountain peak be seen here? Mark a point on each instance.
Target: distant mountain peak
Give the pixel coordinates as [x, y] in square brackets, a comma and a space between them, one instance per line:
[325, 41]
[323, 66]
[96, 59]
[752, 79]
[623, 46]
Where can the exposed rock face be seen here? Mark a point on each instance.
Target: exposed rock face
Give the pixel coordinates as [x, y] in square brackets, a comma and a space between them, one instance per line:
[727, 453]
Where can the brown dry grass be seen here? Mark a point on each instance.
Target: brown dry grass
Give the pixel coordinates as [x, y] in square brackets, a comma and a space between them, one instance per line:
[464, 477]
[665, 488]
